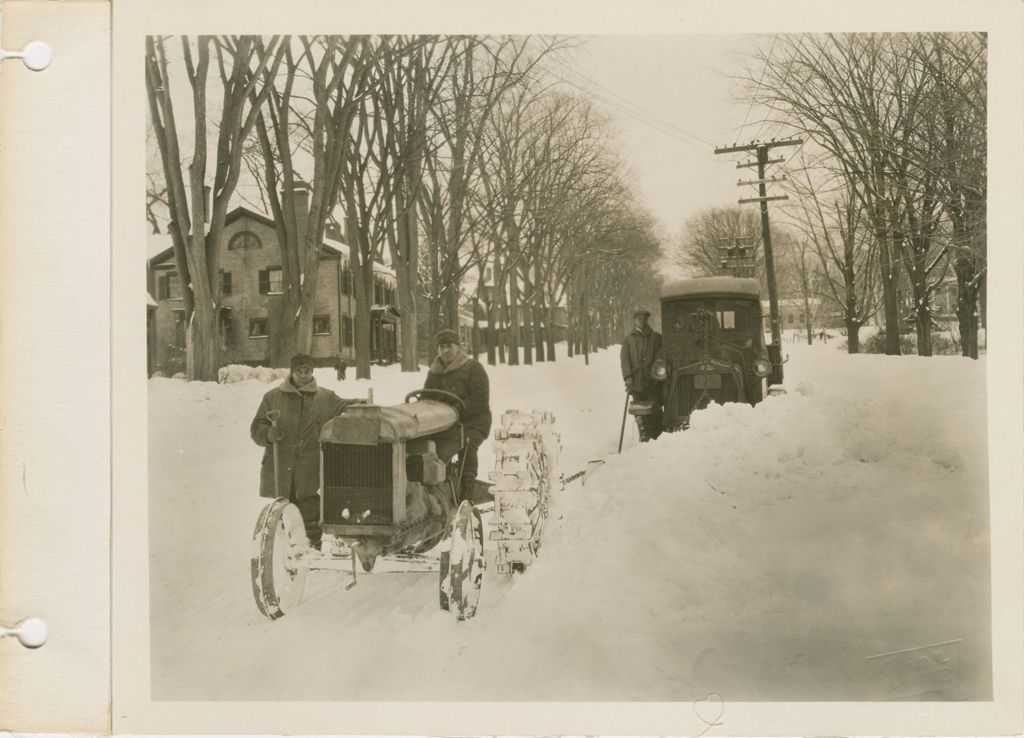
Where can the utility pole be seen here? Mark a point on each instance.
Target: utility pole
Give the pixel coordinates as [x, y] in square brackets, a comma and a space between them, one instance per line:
[761, 149]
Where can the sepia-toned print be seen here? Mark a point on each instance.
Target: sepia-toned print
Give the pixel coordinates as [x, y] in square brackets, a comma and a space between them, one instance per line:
[549, 368]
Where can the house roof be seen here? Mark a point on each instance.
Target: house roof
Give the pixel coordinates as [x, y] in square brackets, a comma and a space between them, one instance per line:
[160, 247]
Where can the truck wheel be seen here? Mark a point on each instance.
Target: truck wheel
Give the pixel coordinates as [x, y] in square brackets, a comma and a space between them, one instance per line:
[280, 536]
[462, 564]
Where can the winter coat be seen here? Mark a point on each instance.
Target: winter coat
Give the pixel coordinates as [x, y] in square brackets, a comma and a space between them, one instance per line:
[639, 350]
[304, 410]
[465, 377]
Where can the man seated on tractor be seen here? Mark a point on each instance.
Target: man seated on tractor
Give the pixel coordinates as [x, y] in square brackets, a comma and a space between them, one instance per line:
[455, 371]
[287, 425]
[639, 350]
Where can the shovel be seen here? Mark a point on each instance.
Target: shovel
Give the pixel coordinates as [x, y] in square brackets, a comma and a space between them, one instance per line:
[622, 431]
[272, 416]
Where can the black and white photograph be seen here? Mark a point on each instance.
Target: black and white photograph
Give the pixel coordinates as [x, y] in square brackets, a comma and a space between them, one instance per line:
[566, 368]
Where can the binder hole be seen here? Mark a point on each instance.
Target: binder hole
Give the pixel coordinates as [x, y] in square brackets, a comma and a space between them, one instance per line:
[37, 56]
[31, 632]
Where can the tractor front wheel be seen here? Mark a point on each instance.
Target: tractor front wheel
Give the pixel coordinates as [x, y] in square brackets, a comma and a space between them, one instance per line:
[279, 538]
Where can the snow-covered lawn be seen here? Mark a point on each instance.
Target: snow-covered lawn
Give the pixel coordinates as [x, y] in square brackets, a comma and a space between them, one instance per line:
[765, 554]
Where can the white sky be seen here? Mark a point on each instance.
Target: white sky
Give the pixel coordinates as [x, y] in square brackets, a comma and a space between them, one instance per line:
[684, 81]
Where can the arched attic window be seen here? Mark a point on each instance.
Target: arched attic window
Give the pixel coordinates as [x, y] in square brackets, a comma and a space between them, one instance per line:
[245, 240]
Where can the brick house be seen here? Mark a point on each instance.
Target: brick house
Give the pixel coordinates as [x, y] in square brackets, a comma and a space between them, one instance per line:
[252, 301]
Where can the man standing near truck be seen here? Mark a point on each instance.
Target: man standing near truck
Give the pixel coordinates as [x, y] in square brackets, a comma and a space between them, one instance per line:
[455, 371]
[290, 418]
[639, 350]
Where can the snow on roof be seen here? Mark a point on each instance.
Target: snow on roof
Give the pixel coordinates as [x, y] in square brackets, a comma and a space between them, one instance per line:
[706, 285]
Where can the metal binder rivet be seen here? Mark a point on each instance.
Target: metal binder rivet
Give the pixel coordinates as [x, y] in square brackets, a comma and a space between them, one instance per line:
[36, 55]
[31, 632]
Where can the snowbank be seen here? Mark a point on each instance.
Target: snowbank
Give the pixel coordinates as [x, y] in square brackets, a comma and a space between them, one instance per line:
[766, 553]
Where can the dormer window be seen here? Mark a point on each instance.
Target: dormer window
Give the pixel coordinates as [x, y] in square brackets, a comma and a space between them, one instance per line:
[245, 240]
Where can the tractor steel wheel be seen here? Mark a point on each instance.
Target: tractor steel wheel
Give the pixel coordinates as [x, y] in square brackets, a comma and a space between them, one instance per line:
[280, 536]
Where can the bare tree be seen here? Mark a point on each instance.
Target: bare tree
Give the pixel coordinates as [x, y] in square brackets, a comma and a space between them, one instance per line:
[333, 74]
[844, 249]
[195, 225]
[954, 152]
[698, 246]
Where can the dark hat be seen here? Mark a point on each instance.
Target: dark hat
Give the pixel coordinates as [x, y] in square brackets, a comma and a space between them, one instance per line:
[446, 335]
[641, 311]
[301, 360]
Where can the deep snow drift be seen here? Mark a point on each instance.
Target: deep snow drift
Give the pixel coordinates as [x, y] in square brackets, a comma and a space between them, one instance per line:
[765, 554]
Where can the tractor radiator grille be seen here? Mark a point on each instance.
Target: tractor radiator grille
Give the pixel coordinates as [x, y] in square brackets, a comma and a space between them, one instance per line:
[358, 479]
[687, 393]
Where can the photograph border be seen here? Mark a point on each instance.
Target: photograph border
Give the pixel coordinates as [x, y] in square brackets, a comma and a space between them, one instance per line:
[135, 712]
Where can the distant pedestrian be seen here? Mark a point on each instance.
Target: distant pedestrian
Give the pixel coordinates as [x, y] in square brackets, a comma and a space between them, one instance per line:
[340, 366]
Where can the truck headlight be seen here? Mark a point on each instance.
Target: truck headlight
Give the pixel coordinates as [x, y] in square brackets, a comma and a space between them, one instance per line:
[762, 367]
[659, 369]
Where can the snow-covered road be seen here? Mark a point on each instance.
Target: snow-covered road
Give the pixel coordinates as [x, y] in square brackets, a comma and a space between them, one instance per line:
[766, 554]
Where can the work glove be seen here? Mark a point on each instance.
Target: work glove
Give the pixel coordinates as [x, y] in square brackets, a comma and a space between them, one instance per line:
[629, 385]
[274, 434]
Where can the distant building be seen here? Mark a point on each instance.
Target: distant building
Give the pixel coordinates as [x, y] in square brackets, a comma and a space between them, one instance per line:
[253, 329]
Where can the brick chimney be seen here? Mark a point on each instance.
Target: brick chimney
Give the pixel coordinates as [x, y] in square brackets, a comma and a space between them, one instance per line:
[300, 197]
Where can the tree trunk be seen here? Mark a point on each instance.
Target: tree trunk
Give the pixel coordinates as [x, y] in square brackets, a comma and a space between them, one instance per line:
[514, 321]
[967, 283]
[362, 277]
[203, 360]
[890, 298]
[852, 337]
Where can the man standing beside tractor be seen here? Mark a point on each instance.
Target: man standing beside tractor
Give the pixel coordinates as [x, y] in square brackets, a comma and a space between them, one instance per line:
[639, 350]
[453, 370]
[287, 425]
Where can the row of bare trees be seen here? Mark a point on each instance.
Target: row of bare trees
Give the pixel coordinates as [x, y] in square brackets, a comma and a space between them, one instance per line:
[891, 193]
[481, 182]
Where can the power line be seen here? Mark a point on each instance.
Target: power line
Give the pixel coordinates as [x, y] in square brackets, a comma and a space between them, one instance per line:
[759, 81]
[655, 116]
[667, 128]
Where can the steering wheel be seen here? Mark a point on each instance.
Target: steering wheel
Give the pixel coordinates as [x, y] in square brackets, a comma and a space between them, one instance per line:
[443, 395]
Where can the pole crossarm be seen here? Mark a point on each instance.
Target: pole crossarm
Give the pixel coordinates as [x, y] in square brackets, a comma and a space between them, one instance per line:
[755, 145]
[746, 164]
[769, 198]
[769, 180]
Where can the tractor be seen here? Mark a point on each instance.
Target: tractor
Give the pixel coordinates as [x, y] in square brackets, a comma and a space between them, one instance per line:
[387, 494]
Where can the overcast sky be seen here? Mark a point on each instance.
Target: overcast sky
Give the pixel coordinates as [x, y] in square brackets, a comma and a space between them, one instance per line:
[674, 101]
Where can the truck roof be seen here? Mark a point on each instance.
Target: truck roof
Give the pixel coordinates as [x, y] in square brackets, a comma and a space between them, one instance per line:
[711, 285]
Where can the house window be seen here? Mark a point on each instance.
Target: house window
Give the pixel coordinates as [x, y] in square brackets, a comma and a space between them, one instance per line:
[321, 325]
[271, 281]
[346, 280]
[727, 319]
[258, 328]
[245, 240]
[346, 330]
[225, 283]
[179, 328]
[169, 287]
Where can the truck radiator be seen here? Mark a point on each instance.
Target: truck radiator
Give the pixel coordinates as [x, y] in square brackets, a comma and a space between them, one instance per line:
[687, 391]
[358, 479]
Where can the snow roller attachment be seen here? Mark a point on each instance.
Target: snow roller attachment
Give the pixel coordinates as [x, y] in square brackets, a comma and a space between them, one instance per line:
[277, 544]
[525, 455]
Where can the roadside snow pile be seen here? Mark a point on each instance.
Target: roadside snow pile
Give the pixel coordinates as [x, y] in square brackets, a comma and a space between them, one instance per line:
[234, 373]
[764, 554]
